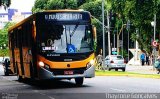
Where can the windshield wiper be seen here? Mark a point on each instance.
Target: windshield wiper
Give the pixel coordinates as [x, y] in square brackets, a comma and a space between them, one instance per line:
[74, 30]
[71, 34]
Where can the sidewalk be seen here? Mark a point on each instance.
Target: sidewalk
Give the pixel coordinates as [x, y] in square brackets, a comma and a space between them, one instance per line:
[141, 69]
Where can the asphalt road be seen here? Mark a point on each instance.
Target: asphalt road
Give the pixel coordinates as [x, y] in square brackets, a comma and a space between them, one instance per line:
[95, 88]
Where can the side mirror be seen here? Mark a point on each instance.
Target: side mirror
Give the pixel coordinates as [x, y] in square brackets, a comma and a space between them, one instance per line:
[94, 37]
[94, 33]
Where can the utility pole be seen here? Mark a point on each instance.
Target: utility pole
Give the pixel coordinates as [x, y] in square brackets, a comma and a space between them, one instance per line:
[103, 64]
[122, 39]
[154, 49]
[154, 27]
[128, 28]
[117, 41]
[109, 43]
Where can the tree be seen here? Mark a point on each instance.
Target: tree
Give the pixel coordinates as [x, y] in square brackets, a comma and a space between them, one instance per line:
[5, 3]
[4, 39]
[41, 5]
[140, 13]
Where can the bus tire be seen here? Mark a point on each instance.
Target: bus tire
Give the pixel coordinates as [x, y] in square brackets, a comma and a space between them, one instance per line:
[31, 71]
[123, 69]
[6, 73]
[20, 79]
[6, 70]
[79, 81]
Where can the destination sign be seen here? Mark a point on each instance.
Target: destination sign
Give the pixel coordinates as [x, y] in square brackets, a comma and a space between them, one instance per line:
[63, 16]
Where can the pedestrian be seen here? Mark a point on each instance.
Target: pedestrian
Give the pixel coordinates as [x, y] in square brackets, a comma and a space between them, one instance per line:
[99, 59]
[147, 59]
[142, 57]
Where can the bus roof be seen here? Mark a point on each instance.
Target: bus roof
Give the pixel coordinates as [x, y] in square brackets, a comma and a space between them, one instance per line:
[20, 23]
[65, 10]
[33, 15]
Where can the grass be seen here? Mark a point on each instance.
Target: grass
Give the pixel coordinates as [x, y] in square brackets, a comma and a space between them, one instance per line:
[129, 74]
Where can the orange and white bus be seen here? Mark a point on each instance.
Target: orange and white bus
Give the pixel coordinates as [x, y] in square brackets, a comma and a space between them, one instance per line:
[54, 44]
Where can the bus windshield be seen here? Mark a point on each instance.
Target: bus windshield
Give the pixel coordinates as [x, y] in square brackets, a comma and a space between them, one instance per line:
[59, 38]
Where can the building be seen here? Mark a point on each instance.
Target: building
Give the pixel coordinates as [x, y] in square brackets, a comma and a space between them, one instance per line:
[3, 19]
[12, 15]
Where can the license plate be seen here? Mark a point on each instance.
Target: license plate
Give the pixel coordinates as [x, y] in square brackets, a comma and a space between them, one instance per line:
[68, 72]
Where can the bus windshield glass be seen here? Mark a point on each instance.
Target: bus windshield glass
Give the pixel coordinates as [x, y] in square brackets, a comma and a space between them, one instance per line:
[57, 38]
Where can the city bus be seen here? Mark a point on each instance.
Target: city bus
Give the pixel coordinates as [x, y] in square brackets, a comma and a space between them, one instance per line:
[53, 44]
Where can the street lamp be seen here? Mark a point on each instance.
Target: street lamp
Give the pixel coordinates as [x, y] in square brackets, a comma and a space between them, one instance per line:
[128, 28]
[153, 23]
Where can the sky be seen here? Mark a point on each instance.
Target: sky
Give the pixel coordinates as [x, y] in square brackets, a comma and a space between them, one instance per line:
[22, 5]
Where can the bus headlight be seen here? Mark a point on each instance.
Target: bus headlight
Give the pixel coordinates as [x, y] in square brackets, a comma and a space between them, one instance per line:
[89, 64]
[41, 64]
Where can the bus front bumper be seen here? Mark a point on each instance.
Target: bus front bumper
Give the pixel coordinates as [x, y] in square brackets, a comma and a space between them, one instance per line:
[46, 74]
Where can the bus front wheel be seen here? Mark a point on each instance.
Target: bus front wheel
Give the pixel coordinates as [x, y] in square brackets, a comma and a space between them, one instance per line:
[20, 79]
[6, 71]
[79, 81]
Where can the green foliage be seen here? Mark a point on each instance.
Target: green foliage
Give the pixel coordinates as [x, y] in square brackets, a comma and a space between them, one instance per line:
[140, 13]
[4, 52]
[124, 53]
[94, 8]
[4, 39]
[41, 5]
[95, 46]
[54, 4]
[5, 3]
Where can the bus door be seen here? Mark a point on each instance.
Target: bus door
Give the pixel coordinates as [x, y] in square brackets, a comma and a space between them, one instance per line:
[12, 55]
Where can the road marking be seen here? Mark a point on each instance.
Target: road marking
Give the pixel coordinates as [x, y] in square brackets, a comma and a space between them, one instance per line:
[10, 78]
[119, 90]
[42, 94]
[35, 90]
[51, 97]
[6, 78]
[46, 95]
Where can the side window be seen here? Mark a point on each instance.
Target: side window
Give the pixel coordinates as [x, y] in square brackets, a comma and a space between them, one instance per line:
[12, 41]
[24, 36]
[15, 39]
[19, 37]
[29, 34]
[9, 40]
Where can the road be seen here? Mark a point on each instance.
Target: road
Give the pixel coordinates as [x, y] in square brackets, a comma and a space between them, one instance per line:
[93, 88]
